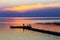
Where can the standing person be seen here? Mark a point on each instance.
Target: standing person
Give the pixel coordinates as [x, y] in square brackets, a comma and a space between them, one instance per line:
[30, 26]
[23, 27]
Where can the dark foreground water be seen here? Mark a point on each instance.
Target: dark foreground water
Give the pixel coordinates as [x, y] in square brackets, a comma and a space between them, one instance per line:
[6, 33]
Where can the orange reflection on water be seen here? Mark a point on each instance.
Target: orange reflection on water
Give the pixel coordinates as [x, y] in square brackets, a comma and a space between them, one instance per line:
[21, 21]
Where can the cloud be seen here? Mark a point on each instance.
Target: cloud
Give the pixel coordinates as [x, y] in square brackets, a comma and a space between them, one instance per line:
[13, 3]
[31, 7]
[50, 12]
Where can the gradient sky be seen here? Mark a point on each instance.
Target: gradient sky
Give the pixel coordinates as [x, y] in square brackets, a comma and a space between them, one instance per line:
[22, 8]
[13, 3]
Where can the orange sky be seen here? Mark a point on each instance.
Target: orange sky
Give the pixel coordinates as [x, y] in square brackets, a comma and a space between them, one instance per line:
[31, 7]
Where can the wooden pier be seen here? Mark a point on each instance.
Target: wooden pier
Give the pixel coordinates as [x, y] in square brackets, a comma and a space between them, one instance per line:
[37, 30]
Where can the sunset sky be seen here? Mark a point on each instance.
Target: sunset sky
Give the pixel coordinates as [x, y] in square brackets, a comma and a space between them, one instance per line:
[29, 8]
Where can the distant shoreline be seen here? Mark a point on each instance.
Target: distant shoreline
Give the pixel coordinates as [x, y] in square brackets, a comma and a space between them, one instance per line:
[47, 17]
[54, 23]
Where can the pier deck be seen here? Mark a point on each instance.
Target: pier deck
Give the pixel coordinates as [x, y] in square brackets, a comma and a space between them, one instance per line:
[37, 30]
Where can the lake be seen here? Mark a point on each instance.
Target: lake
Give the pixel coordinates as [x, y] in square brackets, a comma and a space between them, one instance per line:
[6, 33]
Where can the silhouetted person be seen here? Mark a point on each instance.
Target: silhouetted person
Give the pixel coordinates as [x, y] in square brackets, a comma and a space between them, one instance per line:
[29, 26]
[23, 26]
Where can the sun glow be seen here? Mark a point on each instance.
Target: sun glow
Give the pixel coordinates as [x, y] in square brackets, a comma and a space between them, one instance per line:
[31, 7]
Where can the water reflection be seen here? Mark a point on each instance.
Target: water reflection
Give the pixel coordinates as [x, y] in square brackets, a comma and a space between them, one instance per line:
[17, 34]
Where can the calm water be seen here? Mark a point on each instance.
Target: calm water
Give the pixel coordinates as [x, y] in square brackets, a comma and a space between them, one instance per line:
[6, 33]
